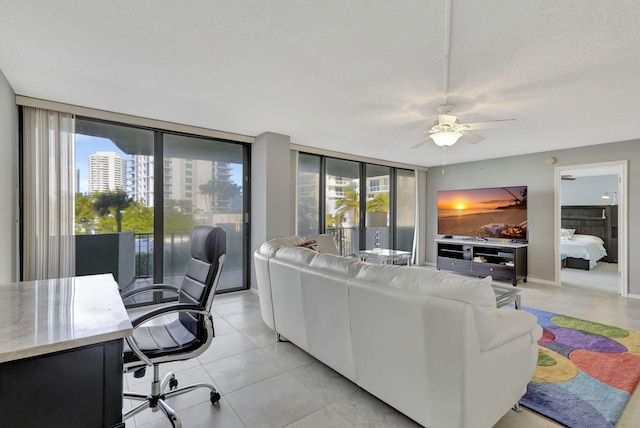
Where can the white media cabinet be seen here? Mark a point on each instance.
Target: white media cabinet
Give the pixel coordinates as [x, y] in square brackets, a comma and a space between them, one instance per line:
[481, 258]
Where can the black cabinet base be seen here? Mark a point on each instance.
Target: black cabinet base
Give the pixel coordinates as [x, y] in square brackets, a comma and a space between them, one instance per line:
[507, 262]
[81, 388]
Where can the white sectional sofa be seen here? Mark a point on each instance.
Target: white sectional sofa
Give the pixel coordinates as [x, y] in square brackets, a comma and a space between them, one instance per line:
[431, 344]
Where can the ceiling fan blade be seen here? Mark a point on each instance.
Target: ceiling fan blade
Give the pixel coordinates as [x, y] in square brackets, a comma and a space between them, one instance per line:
[470, 138]
[415, 146]
[499, 123]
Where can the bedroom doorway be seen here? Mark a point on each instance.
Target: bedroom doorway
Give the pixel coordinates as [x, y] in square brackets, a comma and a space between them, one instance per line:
[590, 223]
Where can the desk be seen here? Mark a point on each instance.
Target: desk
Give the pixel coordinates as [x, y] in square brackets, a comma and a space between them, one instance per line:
[61, 346]
[387, 257]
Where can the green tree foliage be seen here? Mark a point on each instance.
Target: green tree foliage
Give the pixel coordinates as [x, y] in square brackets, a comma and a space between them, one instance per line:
[220, 194]
[380, 203]
[138, 218]
[174, 222]
[112, 203]
[350, 204]
[84, 214]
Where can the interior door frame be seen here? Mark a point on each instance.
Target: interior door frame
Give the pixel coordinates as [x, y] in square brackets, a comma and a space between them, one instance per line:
[623, 250]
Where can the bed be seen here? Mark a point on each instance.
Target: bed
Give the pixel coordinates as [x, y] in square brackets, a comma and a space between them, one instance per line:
[581, 251]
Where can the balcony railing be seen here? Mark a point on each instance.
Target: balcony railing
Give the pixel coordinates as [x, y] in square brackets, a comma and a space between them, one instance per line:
[346, 239]
[177, 251]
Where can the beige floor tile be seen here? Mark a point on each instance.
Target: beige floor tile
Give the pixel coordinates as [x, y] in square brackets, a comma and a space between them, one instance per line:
[275, 384]
[243, 369]
[275, 402]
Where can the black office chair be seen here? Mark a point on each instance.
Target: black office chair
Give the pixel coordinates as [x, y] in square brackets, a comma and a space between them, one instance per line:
[188, 336]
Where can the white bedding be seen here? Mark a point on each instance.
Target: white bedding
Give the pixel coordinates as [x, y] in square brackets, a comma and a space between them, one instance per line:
[583, 247]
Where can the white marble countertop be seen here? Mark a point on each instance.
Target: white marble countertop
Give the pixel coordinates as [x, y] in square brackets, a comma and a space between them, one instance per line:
[41, 317]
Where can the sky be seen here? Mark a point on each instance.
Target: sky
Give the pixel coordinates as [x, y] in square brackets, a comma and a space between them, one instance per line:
[87, 145]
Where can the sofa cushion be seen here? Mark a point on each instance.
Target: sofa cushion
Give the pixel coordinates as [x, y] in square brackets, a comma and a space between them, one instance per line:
[326, 243]
[336, 264]
[269, 249]
[475, 291]
[297, 255]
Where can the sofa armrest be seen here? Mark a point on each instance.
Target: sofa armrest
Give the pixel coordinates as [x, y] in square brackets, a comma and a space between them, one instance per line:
[511, 324]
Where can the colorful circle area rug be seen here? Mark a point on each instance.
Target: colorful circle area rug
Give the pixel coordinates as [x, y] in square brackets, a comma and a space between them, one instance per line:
[586, 371]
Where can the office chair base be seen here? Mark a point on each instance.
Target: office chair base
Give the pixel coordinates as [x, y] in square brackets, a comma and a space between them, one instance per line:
[156, 400]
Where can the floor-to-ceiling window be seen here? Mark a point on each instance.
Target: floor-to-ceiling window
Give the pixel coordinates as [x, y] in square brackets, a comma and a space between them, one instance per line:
[335, 196]
[342, 204]
[114, 215]
[309, 194]
[202, 185]
[405, 209]
[141, 192]
[378, 179]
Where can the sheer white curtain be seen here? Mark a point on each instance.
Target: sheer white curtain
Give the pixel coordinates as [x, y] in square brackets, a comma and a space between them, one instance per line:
[419, 248]
[49, 194]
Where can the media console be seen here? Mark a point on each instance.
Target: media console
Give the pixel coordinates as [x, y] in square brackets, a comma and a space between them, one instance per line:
[482, 258]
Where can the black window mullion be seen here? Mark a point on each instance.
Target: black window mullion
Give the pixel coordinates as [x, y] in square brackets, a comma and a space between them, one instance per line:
[393, 206]
[158, 213]
[246, 203]
[322, 196]
[362, 232]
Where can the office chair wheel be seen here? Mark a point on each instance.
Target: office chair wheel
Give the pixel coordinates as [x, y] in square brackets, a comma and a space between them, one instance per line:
[215, 397]
[173, 383]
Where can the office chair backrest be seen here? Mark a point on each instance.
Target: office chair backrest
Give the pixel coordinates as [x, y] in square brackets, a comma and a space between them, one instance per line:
[208, 243]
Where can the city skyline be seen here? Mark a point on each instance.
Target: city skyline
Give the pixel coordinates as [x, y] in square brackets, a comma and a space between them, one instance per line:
[87, 145]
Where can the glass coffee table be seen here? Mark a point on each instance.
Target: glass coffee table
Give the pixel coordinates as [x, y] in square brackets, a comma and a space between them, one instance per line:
[385, 256]
[506, 295]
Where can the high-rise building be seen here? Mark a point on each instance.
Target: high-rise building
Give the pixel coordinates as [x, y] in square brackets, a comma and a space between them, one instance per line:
[107, 171]
[188, 180]
[140, 179]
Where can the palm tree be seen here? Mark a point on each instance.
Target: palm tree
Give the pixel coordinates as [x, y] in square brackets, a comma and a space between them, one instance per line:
[379, 204]
[218, 192]
[115, 201]
[348, 205]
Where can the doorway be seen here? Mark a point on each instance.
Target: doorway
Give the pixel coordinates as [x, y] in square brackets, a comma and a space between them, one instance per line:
[591, 225]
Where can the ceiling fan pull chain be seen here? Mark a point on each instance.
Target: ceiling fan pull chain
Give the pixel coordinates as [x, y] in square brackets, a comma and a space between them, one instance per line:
[444, 157]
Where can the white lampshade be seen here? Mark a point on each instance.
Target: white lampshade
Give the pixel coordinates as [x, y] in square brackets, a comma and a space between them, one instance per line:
[606, 195]
[444, 139]
[376, 219]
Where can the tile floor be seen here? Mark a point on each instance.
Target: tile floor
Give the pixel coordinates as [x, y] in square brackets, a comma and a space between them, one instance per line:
[267, 384]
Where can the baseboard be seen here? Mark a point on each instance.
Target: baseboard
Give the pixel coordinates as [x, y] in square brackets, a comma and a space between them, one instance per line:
[542, 281]
[633, 296]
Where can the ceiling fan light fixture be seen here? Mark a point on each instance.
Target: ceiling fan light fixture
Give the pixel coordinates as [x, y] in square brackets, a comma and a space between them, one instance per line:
[445, 138]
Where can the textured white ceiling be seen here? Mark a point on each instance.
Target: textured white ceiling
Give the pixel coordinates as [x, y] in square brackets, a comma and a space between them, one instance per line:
[362, 77]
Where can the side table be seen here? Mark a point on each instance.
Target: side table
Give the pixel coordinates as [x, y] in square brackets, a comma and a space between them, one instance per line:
[386, 256]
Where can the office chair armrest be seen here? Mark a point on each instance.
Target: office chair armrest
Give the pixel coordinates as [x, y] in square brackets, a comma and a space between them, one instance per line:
[166, 310]
[154, 287]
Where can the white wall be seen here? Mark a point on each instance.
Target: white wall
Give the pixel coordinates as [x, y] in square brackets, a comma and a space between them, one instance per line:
[271, 191]
[8, 181]
[531, 170]
[589, 190]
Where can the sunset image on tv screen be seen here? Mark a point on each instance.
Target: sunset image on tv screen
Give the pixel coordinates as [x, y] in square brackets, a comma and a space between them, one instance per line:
[497, 212]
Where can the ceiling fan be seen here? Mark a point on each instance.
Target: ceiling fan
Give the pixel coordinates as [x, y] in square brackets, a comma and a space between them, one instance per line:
[447, 131]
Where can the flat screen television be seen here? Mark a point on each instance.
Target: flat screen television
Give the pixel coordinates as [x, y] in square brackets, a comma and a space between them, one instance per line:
[494, 213]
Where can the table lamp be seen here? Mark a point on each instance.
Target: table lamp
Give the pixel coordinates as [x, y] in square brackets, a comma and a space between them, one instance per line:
[377, 220]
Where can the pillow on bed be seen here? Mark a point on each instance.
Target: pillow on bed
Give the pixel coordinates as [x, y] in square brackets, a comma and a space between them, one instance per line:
[587, 238]
[566, 234]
